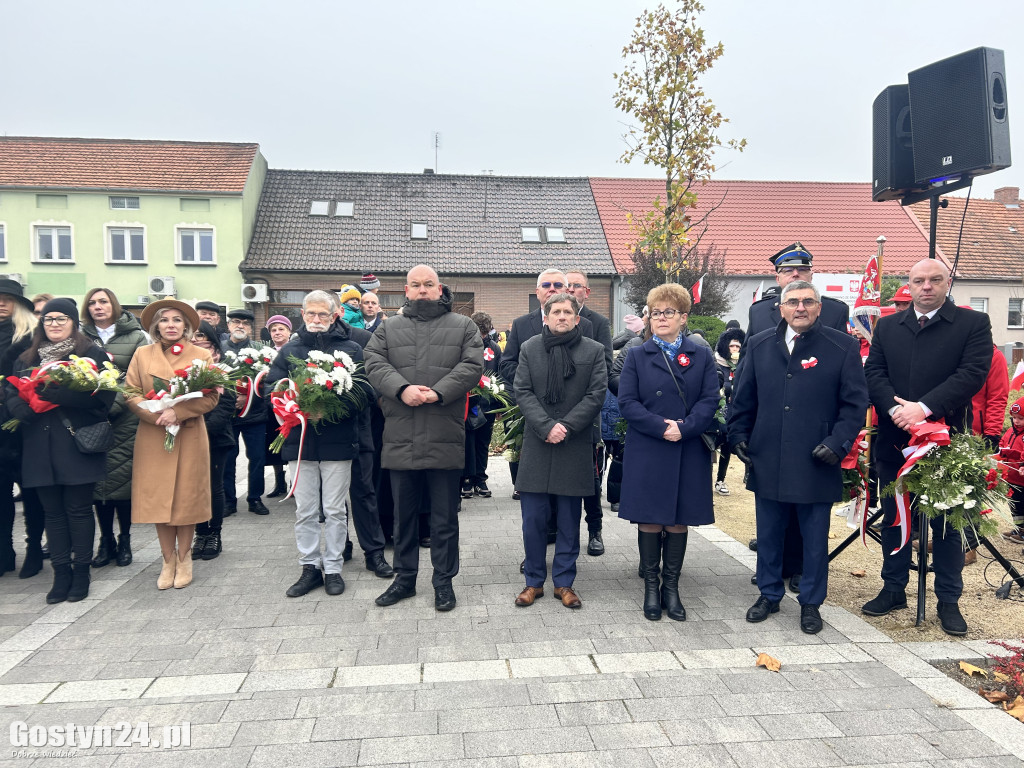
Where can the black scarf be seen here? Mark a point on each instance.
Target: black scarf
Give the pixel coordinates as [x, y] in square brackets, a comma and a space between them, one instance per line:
[560, 364]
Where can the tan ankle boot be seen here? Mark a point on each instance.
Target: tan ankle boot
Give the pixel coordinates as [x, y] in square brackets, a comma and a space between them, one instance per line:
[183, 574]
[166, 578]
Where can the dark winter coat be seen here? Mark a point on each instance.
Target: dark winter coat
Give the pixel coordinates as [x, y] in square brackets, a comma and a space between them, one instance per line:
[10, 442]
[784, 406]
[324, 441]
[726, 366]
[128, 337]
[257, 414]
[49, 454]
[565, 468]
[526, 327]
[665, 482]
[765, 315]
[941, 365]
[427, 345]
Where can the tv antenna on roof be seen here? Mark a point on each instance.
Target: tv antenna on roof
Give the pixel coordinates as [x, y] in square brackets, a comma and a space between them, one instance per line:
[437, 146]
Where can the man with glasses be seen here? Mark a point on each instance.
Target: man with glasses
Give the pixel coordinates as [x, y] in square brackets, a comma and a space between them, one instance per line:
[794, 262]
[252, 427]
[798, 405]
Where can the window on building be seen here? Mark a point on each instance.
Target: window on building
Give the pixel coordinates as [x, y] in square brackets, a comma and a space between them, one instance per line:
[319, 207]
[419, 230]
[51, 201]
[124, 203]
[195, 246]
[53, 244]
[979, 305]
[534, 234]
[195, 204]
[1015, 316]
[3, 243]
[531, 234]
[554, 234]
[127, 245]
[345, 208]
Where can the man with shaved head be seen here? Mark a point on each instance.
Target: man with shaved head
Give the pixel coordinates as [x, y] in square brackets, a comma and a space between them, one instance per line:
[926, 363]
[422, 363]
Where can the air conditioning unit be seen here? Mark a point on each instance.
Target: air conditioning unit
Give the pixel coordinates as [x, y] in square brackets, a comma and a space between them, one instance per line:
[143, 298]
[16, 276]
[161, 286]
[254, 292]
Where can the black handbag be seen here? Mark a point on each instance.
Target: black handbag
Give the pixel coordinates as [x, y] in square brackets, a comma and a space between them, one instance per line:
[709, 436]
[92, 438]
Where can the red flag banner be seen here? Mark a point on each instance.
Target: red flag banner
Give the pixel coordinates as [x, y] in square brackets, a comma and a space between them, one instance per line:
[869, 303]
[697, 288]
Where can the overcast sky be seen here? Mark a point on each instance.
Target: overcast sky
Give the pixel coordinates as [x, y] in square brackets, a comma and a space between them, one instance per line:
[517, 88]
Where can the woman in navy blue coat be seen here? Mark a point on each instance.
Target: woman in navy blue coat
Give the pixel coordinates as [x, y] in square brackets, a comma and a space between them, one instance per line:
[668, 394]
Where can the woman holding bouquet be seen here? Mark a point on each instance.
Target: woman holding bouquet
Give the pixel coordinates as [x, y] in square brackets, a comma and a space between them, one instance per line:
[170, 488]
[63, 476]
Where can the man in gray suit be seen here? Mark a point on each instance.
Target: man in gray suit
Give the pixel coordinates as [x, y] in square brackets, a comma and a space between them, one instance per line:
[560, 385]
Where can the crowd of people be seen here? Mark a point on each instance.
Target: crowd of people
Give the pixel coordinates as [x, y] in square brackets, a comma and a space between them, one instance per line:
[414, 439]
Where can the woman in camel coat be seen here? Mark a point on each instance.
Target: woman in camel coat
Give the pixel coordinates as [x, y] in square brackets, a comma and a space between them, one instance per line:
[170, 489]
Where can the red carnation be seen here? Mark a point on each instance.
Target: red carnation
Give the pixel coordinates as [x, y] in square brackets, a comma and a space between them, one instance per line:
[249, 361]
[329, 384]
[338, 364]
[182, 372]
[308, 381]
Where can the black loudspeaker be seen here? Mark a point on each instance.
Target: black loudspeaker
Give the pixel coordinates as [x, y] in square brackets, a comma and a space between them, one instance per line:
[892, 145]
[961, 123]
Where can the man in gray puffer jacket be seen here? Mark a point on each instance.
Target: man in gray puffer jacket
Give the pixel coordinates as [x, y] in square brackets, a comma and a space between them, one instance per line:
[422, 363]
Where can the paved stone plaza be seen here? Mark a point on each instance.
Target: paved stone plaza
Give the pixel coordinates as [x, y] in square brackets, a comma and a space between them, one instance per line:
[264, 680]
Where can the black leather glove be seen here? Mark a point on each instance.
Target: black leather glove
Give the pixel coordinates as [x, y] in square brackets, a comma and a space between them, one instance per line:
[825, 455]
[64, 396]
[20, 410]
[993, 442]
[740, 452]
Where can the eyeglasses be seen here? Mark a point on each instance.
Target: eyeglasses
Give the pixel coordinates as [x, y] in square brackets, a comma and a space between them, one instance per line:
[317, 315]
[668, 314]
[550, 285]
[574, 286]
[239, 321]
[794, 270]
[794, 303]
[59, 320]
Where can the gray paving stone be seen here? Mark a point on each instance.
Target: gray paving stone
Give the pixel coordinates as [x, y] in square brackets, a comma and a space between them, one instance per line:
[288, 680]
[617, 758]
[230, 757]
[542, 740]
[698, 756]
[1001, 728]
[777, 702]
[907, 697]
[613, 735]
[670, 708]
[805, 753]
[446, 746]
[864, 749]
[809, 725]
[881, 722]
[963, 744]
[376, 725]
[324, 754]
[488, 762]
[467, 696]
[683, 729]
[368, 703]
[264, 709]
[585, 690]
[166, 714]
[592, 713]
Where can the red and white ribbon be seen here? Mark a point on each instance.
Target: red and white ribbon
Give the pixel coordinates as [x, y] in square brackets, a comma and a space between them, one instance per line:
[289, 415]
[250, 390]
[924, 436]
[860, 500]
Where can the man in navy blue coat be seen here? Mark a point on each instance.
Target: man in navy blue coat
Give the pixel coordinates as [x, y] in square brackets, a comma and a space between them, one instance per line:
[799, 402]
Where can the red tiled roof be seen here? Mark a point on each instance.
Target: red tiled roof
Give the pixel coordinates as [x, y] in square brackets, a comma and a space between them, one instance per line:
[993, 239]
[837, 222]
[43, 162]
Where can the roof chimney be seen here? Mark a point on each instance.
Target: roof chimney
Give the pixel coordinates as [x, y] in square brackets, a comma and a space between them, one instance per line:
[1008, 196]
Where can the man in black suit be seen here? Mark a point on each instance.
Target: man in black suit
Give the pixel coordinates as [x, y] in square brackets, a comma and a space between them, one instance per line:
[794, 262]
[925, 362]
[579, 286]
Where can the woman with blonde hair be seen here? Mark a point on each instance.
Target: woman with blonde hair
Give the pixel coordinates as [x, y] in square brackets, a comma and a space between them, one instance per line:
[171, 489]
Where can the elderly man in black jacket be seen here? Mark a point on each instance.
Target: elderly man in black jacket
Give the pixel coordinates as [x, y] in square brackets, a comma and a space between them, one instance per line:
[925, 363]
[422, 363]
[324, 470]
[798, 403]
[560, 386]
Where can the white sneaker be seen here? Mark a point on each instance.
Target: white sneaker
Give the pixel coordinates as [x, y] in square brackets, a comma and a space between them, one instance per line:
[722, 488]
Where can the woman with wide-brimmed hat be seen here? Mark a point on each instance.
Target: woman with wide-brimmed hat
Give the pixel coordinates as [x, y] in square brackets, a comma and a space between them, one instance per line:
[170, 488]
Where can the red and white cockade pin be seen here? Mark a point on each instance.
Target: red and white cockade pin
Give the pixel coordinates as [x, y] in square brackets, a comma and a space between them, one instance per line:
[176, 349]
[809, 362]
[488, 354]
[683, 359]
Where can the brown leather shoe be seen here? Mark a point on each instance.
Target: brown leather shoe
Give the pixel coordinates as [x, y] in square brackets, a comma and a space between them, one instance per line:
[970, 556]
[568, 597]
[528, 595]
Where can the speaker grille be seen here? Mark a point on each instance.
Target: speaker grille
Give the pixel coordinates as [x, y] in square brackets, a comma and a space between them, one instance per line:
[892, 144]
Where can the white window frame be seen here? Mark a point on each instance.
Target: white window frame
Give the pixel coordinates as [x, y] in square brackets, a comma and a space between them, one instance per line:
[33, 229]
[195, 225]
[319, 207]
[1020, 311]
[126, 206]
[412, 231]
[3, 242]
[547, 235]
[108, 244]
[983, 300]
[351, 209]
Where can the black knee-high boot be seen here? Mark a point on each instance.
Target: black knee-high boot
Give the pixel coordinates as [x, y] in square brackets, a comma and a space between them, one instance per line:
[650, 564]
[672, 562]
[107, 548]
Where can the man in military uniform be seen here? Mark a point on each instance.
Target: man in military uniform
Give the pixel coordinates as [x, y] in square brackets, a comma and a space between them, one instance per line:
[794, 262]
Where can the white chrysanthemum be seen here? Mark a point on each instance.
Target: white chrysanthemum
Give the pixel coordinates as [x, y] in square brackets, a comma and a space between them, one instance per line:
[970, 504]
[320, 377]
[941, 505]
[968, 489]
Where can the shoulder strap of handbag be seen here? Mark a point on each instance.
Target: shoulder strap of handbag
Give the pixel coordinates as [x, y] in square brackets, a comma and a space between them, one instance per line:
[67, 424]
[672, 375]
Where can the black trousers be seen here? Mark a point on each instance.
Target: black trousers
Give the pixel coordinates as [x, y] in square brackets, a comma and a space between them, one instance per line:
[364, 505]
[478, 449]
[70, 525]
[441, 488]
[255, 438]
[592, 511]
[218, 457]
[32, 510]
[105, 511]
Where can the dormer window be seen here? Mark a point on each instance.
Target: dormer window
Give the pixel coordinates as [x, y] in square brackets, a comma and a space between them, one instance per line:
[419, 230]
[345, 208]
[319, 207]
[531, 234]
[537, 234]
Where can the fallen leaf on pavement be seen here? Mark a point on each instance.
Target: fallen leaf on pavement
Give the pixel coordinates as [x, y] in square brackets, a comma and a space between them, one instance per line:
[970, 669]
[993, 696]
[1016, 709]
[859, 574]
[832, 536]
[768, 662]
[999, 677]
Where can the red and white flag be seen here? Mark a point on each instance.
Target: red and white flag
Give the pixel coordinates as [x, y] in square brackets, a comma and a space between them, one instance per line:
[1018, 377]
[868, 306]
[697, 288]
[758, 293]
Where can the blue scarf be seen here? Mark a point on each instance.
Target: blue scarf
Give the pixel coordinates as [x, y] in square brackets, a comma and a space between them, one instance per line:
[671, 349]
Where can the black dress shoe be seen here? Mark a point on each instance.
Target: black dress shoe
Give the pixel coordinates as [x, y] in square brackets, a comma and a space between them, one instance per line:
[481, 489]
[198, 544]
[257, 507]
[759, 611]
[884, 603]
[951, 620]
[753, 579]
[522, 567]
[124, 550]
[280, 489]
[752, 545]
[515, 495]
[310, 579]
[397, 591]
[346, 554]
[794, 583]
[105, 552]
[33, 562]
[379, 565]
[230, 509]
[595, 547]
[810, 619]
[444, 598]
[213, 547]
[334, 584]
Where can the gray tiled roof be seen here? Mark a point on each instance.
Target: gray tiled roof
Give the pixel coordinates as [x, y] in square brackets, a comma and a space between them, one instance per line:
[462, 237]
